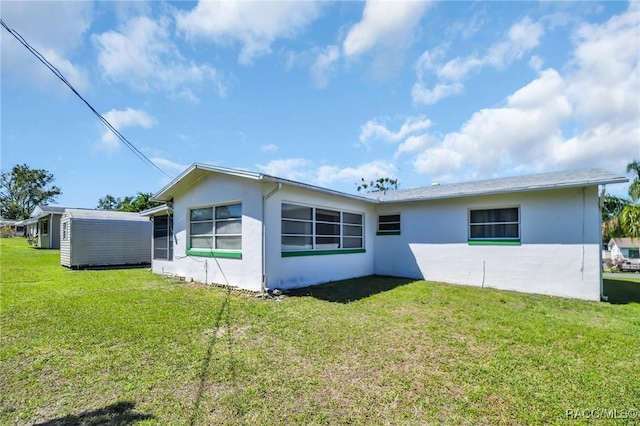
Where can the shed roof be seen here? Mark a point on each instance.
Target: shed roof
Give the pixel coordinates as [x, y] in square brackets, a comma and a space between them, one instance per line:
[105, 215]
[625, 242]
[536, 182]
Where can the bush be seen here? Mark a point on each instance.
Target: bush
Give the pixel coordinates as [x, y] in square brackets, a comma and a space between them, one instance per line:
[7, 232]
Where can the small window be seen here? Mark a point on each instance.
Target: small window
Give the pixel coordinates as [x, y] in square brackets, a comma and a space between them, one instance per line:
[44, 227]
[494, 224]
[216, 228]
[389, 224]
[65, 231]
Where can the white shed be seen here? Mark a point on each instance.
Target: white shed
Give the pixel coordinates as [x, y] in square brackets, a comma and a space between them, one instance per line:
[92, 238]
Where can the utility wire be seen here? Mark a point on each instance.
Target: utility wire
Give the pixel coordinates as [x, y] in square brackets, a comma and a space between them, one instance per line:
[58, 74]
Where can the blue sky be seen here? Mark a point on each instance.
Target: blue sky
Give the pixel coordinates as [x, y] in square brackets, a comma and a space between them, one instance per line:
[324, 93]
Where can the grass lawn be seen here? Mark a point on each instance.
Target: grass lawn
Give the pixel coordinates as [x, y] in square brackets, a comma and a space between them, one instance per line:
[127, 346]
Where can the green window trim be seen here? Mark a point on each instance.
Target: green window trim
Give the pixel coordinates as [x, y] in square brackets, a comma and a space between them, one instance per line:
[215, 253]
[490, 242]
[388, 233]
[321, 252]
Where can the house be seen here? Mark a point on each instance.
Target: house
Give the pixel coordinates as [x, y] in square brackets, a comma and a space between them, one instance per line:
[92, 238]
[11, 228]
[625, 249]
[42, 228]
[534, 234]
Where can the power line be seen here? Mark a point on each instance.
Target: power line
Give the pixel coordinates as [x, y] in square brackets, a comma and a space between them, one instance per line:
[59, 74]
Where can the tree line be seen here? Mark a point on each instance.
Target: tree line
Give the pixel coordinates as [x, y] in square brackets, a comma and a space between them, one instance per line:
[23, 188]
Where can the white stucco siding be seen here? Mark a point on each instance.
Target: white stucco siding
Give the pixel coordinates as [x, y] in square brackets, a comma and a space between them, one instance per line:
[558, 254]
[217, 189]
[294, 272]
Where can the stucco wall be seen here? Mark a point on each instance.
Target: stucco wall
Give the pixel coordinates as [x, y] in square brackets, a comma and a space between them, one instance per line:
[292, 272]
[245, 273]
[559, 252]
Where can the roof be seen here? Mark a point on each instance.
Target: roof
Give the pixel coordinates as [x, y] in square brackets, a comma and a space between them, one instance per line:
[44, 210]
[626, 242]
[158, 210]
[197, 171]
[536, 182]
[105, 215]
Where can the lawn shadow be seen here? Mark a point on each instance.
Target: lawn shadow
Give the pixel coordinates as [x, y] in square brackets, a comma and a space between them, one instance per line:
[351, 290]
[119, 413]
[622, 292]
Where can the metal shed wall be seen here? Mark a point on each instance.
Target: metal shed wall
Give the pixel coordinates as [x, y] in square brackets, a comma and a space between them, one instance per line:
[103, 242]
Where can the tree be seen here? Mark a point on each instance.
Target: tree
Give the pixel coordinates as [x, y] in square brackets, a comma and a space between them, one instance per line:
[109, 202]
[23, 188]
[141, 201]
[378, 185]
[630, 221]
[634, 188]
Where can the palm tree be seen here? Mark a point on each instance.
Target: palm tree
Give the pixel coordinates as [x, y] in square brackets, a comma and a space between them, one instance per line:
[634, 188]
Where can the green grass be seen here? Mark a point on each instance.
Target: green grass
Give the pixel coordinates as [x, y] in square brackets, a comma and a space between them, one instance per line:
[127, 346]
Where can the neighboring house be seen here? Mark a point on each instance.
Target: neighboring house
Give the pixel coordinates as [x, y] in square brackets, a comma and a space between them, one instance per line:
[535, 234]
[92, 238]
[11, 228]
[625, 249]
[43, 226]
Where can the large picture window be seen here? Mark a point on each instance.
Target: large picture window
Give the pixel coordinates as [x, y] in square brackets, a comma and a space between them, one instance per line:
[494, 224]
[216, 228]
[163, 237]
[311, 228]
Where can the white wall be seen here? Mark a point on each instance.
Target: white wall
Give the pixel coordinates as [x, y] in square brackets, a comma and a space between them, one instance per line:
[245, 273]
[559, 252]
[292, 272]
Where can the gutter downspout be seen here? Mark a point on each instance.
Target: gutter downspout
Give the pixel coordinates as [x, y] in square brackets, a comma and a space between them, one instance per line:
[264, 288]
[601, 205]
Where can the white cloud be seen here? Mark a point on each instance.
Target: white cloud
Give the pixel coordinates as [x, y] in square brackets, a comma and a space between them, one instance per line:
[55, 29]
[256, 25]
[142, 55]
[327, 175]
[270, 147]
[324, 65]
[521, 38]
[304, 170]
[121, 119]
[586, 116]
[413, 143]
[373, 130]
[383, 23]
[289, 168]
[165, 164]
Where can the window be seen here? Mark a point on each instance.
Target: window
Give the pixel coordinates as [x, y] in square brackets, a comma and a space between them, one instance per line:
[389, 224]
[216, 228]
[44, 227]
[494, 224]
[634, 253]
[65, 231]
[311, 228]
[163, 237]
